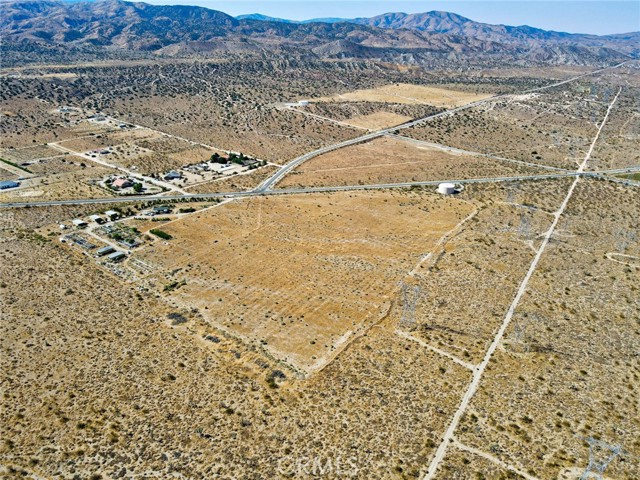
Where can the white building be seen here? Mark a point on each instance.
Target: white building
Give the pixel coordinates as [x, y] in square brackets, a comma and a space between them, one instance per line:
[78, 222]
[111, 214]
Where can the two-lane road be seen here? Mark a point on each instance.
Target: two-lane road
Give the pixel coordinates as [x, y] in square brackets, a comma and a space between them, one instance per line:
[340, 188]
[269, 183]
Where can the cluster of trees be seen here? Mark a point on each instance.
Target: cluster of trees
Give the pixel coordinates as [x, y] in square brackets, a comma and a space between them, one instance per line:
[232, 158]
[238, 158]
[160, 233]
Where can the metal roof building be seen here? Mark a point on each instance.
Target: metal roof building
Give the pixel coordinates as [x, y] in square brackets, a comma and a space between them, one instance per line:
[106, 250]
[116, 256]
[8, 184]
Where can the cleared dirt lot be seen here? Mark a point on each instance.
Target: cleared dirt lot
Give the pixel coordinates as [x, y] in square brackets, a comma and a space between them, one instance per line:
[235, 183]
[59, 164]
[409, 94]
[301, 274]
[26, 154]
[371, 115]
[393, 160]
[377, 120]
[142, 394]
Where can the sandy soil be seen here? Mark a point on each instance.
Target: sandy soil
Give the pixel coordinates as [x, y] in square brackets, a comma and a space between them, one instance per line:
[377, 120]
[410, 94]
[344, 255]
[394, 160]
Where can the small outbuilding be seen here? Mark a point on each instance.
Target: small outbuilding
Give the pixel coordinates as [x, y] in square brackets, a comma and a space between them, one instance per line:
[112, 214]
[96, 218]
[78, 222]
[161, 209]
[249, 162]
[173, 175]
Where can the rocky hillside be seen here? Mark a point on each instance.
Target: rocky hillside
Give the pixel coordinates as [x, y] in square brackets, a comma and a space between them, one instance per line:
[423, 39]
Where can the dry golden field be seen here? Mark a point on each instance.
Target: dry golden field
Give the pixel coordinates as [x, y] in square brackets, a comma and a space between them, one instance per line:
[99, 379]
[377, 120]
[370, 115]
[302, 275]
[409, 94]
[396, 160]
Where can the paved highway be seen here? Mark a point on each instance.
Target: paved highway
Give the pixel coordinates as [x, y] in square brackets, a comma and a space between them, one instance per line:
[266, 187]
[342, 188]
[276, 177]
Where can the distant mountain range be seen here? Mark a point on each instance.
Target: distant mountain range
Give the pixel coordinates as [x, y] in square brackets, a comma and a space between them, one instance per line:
[265, 18]
[422, 39]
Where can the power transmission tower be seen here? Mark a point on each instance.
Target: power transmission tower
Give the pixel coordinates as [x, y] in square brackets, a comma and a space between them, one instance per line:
[410, 295]
[525, 226]
[519, 333]
[520, 327]
[601, 454]
[512, 191]
[624, 238]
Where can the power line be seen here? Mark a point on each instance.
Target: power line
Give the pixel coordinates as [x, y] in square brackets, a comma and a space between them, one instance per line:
[410, 295]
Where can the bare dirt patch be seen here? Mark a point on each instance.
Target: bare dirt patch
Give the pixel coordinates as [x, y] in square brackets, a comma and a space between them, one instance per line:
[409, 94]
[395, 160]
[306, 270]
[378, 120]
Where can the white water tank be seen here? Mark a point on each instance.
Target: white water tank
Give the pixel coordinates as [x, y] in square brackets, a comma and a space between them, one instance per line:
[446, 188]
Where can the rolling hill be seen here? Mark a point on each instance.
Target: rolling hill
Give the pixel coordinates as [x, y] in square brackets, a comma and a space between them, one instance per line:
[126, 27]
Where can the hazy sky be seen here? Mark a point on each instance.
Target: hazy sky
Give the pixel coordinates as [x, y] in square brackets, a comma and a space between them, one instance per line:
[575, 16]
